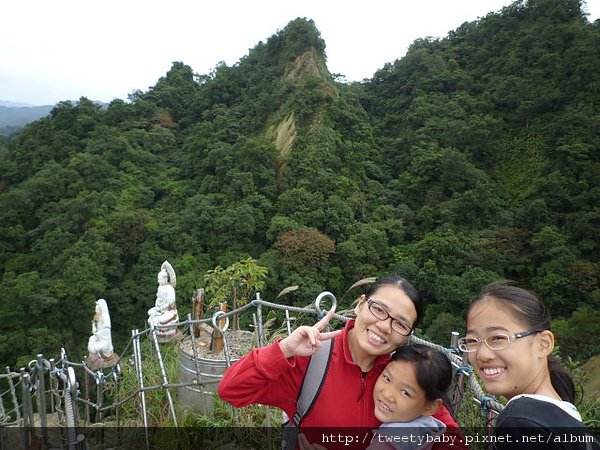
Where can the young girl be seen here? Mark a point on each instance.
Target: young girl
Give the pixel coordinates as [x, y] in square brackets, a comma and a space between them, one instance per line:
[408, 391]
[509, 344]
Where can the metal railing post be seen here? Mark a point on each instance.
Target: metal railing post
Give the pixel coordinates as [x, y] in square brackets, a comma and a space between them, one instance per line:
[27, 408]
[13, 393]
[138, 367]
[164, 377]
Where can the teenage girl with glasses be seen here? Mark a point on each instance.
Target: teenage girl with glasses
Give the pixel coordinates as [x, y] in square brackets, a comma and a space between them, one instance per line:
[509, 345]
[385, 315]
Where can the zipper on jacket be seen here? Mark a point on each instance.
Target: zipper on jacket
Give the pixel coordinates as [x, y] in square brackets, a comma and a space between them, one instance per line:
[363, 385]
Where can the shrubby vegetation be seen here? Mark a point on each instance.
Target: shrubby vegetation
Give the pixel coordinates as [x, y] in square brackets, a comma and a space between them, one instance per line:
[472, 158]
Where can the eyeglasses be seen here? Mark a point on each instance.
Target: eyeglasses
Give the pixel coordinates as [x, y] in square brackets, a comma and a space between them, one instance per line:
[380, 313]
[494, 342]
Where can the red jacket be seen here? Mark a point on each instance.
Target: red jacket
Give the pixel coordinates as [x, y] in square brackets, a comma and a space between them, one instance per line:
[267, 377]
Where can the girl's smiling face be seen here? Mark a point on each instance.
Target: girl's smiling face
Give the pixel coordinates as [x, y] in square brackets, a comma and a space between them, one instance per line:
[398, 396]
[517, 369]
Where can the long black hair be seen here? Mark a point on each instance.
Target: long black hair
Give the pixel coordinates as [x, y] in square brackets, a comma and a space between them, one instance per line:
[530, 310]
[405, 286]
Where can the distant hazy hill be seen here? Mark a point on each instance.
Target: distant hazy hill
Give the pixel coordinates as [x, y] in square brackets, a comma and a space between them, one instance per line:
[12, 117]
[13, 104]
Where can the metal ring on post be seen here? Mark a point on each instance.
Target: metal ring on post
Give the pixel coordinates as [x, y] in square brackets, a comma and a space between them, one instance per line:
[215, 323]
[318, 300]
[63, 357]
[454, 340]
[71, 380]
[116, 372]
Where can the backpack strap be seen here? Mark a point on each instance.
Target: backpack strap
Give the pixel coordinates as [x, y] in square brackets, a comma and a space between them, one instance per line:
[313, 380]
[311, 388]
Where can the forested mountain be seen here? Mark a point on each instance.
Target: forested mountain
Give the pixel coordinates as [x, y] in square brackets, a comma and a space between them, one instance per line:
[473, 158]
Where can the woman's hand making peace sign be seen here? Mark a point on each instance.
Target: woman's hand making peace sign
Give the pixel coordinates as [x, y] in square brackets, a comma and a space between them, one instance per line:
[305, 340]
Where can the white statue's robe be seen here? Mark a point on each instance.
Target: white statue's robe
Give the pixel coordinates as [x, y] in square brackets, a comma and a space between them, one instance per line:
[100, 347]
[164, 311]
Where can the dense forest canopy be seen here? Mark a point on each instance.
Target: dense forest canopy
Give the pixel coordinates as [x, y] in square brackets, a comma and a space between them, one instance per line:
[473, 158]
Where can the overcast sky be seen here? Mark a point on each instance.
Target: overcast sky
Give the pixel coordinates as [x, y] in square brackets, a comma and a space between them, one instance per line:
[64, 49]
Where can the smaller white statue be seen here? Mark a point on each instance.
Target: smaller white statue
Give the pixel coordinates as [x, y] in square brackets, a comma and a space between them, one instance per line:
[100, 348]
[164, 311]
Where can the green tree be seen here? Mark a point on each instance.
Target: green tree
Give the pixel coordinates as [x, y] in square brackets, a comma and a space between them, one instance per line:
[442, 327]
[364, 252]
[578, 336]
[235, 284]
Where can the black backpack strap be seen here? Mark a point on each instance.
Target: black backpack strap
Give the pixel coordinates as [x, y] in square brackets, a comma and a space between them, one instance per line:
[311, 387]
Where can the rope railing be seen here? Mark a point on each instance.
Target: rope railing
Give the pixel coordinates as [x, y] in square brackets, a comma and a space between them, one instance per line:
[56, 381]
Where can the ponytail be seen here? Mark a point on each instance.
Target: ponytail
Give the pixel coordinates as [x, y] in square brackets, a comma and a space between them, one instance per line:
[561, 379]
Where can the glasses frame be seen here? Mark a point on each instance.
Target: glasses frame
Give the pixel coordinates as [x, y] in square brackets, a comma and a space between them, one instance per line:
[393, 320]
[511, 337]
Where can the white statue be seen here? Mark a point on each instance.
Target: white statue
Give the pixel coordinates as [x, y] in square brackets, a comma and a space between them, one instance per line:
[164, 311]
[100, 346]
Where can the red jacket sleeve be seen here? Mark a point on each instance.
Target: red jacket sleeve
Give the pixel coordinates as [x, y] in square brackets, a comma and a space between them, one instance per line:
[453, 438]
[264, 376]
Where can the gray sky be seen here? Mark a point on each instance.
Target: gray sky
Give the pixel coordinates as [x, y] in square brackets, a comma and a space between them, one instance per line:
[64, 49]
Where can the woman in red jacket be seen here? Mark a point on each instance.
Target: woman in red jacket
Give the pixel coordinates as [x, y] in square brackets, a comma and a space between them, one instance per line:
[343, 414]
